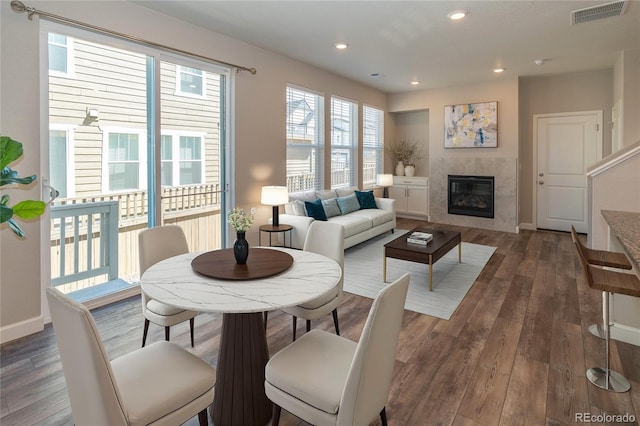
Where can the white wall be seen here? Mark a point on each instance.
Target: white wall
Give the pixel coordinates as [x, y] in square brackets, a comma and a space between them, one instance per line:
[626, 90]
[505, 92]
[613, 185]
[259, 122]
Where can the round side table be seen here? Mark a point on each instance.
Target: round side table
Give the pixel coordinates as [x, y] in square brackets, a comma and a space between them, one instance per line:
[270, 229]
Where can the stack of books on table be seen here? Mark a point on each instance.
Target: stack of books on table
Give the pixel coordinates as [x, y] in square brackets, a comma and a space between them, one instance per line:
[419, 238]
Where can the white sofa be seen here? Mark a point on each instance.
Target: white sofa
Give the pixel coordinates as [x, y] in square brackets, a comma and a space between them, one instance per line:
[359, 225]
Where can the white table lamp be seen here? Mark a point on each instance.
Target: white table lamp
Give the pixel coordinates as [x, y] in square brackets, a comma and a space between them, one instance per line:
[385, 181]
[275, 196]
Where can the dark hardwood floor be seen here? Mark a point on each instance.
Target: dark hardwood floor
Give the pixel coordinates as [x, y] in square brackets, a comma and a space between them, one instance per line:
[515, 351]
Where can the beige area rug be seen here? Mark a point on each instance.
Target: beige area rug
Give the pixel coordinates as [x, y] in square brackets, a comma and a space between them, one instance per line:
[451, 280]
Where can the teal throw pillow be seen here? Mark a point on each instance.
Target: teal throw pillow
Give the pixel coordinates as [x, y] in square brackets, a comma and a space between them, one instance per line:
[315, 210]
[330, 207]
[366, 199]
[348, 203]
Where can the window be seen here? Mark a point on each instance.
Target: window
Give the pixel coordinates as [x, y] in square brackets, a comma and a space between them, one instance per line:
[305, 142]
[344, 143]
[166, 160]
[60, 54]
[190, 81]
[61, 165]
[372, 145]
[124, 152]
[181, 161]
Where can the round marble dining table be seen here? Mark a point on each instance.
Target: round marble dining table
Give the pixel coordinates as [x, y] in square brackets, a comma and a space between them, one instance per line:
[240, 398]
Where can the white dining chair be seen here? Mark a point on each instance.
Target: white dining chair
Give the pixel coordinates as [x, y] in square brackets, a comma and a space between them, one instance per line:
[325, 379]
[324, 238]
[159, 384]
[154, 245]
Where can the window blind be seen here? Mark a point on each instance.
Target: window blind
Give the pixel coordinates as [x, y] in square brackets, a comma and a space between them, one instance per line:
[305, 140]
[344, 143]
[372, 144]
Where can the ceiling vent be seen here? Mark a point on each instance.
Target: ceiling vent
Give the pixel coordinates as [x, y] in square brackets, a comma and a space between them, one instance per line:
[594, 13]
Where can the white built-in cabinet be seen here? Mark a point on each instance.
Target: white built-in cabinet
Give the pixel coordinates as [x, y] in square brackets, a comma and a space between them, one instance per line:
[411, 195]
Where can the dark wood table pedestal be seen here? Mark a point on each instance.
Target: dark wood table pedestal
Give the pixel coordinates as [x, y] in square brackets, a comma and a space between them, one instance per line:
[240, 399]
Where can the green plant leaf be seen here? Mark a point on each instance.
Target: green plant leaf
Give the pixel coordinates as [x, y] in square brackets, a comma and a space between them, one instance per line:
[10, 151]
[6, 213]
[8, 176]
[28, 209]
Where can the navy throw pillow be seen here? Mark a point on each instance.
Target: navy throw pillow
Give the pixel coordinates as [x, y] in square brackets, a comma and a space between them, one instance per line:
[315, 210]
[366, 200]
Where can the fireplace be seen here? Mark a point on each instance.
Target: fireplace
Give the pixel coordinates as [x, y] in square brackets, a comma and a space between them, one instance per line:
[471, 195]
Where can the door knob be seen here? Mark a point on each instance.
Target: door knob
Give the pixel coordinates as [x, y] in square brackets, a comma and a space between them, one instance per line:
[540, 174]
[540, 182]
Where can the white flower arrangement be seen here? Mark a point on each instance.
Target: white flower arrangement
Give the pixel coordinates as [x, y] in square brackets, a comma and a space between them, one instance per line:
[239, 220]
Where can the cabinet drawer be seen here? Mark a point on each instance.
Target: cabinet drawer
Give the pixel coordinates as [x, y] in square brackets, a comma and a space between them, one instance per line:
[415, 180]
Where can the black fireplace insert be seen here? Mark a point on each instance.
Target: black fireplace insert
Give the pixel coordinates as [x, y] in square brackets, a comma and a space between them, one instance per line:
[471, 195]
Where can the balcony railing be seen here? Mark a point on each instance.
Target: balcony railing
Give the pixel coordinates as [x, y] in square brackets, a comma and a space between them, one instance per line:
[304, 181]
[95, 239]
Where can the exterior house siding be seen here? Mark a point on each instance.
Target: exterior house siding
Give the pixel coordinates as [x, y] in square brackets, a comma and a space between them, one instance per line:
[113, 82]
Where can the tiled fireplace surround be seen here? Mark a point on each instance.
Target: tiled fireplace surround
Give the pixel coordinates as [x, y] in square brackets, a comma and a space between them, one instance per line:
[505, 172]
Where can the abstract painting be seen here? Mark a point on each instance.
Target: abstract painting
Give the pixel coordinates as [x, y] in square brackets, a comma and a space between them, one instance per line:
[471, 125]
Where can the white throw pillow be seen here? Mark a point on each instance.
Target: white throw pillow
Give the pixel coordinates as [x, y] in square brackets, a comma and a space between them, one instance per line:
[295, 208]
[343, 192]
[303, 195]
[327, 194]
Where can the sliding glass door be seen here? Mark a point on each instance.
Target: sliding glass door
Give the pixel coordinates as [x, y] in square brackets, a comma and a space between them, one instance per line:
[136, 139]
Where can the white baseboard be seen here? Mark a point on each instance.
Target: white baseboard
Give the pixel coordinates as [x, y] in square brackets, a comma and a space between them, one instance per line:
[528, 226]
[21, 329]
[625, 333]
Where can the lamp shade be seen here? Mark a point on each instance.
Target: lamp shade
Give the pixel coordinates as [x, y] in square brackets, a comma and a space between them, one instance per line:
[385, 180]
[274, 195]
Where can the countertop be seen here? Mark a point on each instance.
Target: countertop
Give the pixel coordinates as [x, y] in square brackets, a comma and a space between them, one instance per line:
[626, 228]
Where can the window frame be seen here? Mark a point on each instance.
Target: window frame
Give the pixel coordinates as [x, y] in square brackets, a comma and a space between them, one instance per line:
[354, 141]
[69, 130]
[378, 149]
[175, 155]
[142, 158]
[318, 134]
[178, 92]
[71, 72]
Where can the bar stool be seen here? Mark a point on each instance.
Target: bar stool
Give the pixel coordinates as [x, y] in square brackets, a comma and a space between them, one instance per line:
[604, 258]
[608, 282]
[610, 259]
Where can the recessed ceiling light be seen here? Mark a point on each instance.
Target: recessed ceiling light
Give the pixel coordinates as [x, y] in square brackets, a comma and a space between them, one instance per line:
[415, 82]
[498, 70]
[341, 46]
[457, 14]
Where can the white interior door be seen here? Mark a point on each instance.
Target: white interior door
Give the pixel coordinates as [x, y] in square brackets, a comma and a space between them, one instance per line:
[567, 144]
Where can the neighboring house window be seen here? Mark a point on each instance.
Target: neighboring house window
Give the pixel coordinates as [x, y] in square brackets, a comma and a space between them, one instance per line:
[182, 160]
[166, 160]
[190, 81]
[61, 164]
[125, 160]
[344, 143]
[60, 54]
[372, 145]
[305, 141]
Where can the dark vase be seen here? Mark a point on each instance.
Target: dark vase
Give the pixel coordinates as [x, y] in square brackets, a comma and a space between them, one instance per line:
[241, 249]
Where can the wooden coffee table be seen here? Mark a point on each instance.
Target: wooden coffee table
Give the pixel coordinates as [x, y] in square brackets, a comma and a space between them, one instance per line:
[443, 241]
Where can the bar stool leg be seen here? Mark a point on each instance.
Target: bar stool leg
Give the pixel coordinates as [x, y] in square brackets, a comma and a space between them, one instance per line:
[606, 378]
[597, 329]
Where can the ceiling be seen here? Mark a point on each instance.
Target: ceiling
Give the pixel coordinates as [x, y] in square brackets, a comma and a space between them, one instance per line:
[403, 41]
